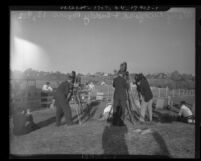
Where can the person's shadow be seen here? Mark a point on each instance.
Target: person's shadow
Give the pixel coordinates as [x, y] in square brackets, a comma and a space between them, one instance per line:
[88, 112]
[164, 152]
[163, 117]
[113, 140]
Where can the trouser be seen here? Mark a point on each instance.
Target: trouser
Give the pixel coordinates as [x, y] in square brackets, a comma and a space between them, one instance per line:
[117, 116]
[119, 107]
[144, 107]
[186, 119]
[63, 108]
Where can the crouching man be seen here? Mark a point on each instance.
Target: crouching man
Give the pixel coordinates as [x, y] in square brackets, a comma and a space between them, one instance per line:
[62, 97]
[23, 122]
[185, 114]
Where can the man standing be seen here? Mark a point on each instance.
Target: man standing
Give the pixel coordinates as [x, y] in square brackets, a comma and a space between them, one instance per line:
[120, 98]
[62, 97]
[146, 96]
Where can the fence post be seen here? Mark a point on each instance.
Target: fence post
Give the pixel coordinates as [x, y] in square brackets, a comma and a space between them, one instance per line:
[108, 92]
[159, 92]
[166, 92]
[173, 93]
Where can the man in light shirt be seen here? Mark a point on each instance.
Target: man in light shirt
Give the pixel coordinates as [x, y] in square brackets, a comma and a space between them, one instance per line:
[47, 88]
[107, 113]
[47, 91]
[185, 113]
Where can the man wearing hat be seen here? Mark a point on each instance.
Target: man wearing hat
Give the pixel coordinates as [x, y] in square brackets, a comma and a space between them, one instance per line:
[120, 98]
[62, 97]
[123, 70]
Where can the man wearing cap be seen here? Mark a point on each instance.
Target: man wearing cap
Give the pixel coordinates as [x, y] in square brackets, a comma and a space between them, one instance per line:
[62, 97]
[123, 70]
[120, 98]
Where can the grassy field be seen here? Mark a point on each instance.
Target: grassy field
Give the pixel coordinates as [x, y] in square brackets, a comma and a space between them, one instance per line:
[168, 138]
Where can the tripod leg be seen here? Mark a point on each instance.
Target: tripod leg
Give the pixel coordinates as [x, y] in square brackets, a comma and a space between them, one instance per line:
[79, 103]
[77, 108]
[78, 115]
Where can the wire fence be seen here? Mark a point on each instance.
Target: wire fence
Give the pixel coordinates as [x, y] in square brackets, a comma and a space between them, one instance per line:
[157, 92]
[28, 92]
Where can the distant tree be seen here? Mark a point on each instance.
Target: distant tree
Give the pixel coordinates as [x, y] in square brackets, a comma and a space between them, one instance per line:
[186, 77]
[28, 73]
[175, 76]
[148, 76]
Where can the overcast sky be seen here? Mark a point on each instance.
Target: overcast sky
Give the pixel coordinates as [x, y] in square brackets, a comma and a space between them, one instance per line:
[88, 43]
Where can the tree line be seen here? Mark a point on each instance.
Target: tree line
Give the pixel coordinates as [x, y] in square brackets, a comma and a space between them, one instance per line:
[172, 80]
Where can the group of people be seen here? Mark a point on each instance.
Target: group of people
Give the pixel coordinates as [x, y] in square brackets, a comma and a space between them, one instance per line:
[120, 103]
[121, 95]
[121, 100]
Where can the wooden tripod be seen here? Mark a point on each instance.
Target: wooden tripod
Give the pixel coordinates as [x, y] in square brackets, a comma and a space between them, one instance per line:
[79, 108]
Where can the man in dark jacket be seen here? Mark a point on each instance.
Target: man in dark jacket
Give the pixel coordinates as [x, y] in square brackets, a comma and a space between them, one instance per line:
[62, 97]
[146, 96]
[120, 98]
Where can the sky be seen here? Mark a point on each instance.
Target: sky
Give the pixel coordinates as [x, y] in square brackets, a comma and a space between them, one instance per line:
[90, 42]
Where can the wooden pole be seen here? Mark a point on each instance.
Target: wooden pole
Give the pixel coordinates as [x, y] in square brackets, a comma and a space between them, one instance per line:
[166, 92]
[108, 88]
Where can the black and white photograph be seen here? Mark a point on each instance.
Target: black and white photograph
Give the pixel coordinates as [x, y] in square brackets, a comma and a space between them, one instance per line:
[105, 83]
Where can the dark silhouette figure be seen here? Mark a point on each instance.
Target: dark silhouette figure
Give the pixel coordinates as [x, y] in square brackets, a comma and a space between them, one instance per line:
[164, 152]
[116, 119]
[113, 140]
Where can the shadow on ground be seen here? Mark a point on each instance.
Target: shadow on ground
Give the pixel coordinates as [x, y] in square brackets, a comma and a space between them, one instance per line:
[45, 122]
[87, 113]
[113, 140]
[164, 152]
[33, 127]
[164, 116]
